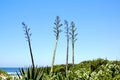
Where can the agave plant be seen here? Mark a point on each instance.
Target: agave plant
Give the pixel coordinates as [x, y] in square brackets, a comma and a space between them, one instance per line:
[31, 73]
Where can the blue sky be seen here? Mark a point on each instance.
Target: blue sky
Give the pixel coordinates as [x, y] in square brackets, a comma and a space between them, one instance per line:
[97, 23]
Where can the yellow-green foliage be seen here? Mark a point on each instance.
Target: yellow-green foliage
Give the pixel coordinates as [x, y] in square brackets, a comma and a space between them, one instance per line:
[3, 73]
[99, 69]
[59, 68]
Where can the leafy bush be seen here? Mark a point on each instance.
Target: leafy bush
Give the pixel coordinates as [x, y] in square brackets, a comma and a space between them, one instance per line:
[4, 73]
[59, 69]
[99, 69]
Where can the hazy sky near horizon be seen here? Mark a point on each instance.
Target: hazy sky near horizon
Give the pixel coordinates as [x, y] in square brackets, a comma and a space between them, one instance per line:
[97, 23]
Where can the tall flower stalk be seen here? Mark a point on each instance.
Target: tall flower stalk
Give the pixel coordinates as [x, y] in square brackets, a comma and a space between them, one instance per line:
[57, 31]
[27, 36]
[67, 48]
[73, 38]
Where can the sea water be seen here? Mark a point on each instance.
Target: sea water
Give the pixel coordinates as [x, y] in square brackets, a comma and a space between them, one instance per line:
[11, 70]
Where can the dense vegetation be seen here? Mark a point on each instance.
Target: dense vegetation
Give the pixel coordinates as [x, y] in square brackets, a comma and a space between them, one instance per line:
[99, 69]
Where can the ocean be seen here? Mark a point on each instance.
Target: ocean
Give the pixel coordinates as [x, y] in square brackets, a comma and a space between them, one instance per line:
[11, 70]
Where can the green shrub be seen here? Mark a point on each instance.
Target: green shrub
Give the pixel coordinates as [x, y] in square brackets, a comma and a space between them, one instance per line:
[4, 73]
[0, 78]
[102, 70]
[59, 69]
